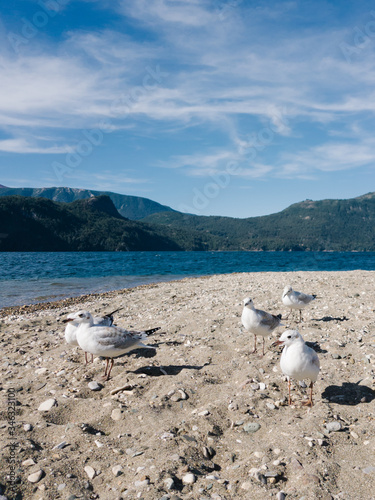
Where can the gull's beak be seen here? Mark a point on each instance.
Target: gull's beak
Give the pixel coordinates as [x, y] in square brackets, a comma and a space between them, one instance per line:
[66, 320]
[278, 342]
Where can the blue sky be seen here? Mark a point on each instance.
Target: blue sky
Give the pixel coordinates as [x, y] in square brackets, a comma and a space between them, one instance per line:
[235, 108]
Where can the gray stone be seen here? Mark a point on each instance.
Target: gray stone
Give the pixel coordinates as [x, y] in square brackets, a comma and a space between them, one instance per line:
[28, 463]
[142, 484]
[90, 471]
[61, 445]
[35, 477]
[94, 386]
[116, 414]
[251, 427]
[47, 405]
[369, 470]
[169, 483]
[334, 426]
[189, 478]
[117, 470]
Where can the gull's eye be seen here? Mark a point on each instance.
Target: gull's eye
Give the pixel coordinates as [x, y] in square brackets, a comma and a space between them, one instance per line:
[289, 336]
[81, 315]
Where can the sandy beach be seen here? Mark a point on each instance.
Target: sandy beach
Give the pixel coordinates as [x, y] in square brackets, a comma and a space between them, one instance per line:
[198, 417]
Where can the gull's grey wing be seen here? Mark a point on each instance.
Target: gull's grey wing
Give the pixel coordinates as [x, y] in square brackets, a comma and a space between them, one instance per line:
[268, 319]
[118, 337]
[304, 298]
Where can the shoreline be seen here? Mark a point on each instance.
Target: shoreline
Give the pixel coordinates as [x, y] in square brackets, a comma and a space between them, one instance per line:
[81, 299]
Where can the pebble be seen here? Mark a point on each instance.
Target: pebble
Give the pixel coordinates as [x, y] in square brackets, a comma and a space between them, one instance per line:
[117, 470]
[208, 452]
[280, 495]
[94, 386]
[116, 414]
[251, 427]
[35, 476]
[90, 471]
[271, 473]
[27, 427]
[47, 405]
[189, 478]
[61, 445]
[41, 371]
[142, 484]
[246, 486]
[167, 435]
[334, 426]
[28, 462]
[204, 413]
[169, 483]
[270, 406]
[61, 486]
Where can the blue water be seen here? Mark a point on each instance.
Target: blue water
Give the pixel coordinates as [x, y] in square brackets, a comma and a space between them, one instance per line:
[30, 277]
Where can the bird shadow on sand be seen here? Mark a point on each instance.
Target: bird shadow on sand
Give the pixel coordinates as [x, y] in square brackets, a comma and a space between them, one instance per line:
[158, 371]
[331, 318]
[145, 352]
[349, 393]
[316, 347]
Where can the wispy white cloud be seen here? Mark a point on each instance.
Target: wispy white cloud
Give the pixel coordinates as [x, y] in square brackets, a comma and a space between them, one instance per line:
[328, 157]
[181, 12]
[22, 146]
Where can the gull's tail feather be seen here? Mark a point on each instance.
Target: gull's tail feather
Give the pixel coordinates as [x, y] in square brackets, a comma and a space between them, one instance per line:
[152, 330]
[109, 315]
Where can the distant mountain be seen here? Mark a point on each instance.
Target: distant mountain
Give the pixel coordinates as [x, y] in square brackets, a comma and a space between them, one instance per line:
[337, 225]
[94, 224]
[37, 224]
[131, 207]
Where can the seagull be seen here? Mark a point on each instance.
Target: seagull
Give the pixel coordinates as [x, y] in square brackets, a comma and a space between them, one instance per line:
[298, 361]
[72, 327]
[107, 341]
[296, 300]
[258, 322]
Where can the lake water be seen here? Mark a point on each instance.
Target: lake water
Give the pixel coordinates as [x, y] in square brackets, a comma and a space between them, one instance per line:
[30, 277]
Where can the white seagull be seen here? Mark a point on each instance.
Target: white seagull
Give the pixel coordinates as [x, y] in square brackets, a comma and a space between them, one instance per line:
[258, 322]
[72, 326]
[298, 361]
[107, 341]
[296, 300]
